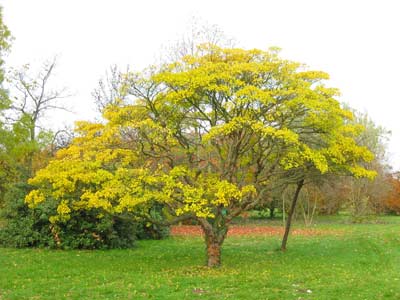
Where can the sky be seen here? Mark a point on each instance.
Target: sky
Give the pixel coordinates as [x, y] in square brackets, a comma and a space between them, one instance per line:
[357, 42]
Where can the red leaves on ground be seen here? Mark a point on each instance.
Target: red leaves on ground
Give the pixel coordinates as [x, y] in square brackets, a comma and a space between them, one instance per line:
[237, 230]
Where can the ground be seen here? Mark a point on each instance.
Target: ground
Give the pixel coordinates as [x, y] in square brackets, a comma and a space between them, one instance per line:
[332, 260]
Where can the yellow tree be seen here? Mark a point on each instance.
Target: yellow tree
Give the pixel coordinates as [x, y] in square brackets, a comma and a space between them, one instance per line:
[204, 136]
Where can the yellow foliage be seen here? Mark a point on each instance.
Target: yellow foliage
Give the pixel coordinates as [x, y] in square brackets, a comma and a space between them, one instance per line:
[202, 134]
[34, 198]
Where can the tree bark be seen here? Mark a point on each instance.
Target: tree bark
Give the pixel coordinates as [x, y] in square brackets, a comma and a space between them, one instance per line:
[272, 210]
[290, 214]
[214, 234]
[213, 253]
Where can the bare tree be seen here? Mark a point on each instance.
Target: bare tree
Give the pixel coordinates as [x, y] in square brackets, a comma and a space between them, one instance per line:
[32, 96]
[61, 139]
[111, 88]
[198, 32]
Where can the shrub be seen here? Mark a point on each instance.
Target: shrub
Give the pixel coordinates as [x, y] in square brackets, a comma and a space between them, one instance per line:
[25, 227]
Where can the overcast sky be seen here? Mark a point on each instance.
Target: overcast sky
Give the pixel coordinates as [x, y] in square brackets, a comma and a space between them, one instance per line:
[357, 42]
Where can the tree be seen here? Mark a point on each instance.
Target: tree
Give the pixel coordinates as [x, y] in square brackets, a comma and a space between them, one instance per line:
[204, 136]
[360, 196]
[197, 33]
[5, 40]
[392, 202]
[25, 146]
[365, 196]
[309, 174]
[299, 186]
[31, 98]
[111, 89]
[33, 95]
[6, 170]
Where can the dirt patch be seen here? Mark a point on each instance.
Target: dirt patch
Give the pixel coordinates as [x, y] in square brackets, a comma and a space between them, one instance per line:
[192, 230]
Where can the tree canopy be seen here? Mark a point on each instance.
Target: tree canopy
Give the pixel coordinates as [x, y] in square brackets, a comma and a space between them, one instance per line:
[205, 136]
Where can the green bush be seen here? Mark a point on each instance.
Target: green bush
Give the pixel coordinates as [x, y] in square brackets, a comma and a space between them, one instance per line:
[26, 227]
[85, 230]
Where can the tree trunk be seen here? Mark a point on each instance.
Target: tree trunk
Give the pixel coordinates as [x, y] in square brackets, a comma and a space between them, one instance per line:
[272, 212]
[290, 214]
[213, 253]
[214, 235]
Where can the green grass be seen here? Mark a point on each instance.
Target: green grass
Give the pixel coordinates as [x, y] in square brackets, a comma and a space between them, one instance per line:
[362, 263]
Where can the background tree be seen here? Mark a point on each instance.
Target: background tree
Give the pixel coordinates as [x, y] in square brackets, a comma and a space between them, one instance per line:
[111, 89]
[33, 95]
[198, 33]
[204, 136]
[30, 97]
[367, 197]
[6, 170]
[361, 197]
[308, 174]
[26, 147]
[392, 201]
[5, 40]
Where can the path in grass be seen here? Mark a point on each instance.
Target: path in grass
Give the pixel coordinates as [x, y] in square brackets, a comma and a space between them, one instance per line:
[250, 230]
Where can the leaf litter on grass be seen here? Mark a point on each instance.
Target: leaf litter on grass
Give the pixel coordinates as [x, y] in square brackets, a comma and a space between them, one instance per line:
[193, 230]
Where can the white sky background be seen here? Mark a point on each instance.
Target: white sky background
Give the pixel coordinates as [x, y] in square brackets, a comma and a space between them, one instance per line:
[357, 42]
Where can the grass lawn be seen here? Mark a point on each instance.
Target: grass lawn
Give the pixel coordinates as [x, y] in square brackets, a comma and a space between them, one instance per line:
[362, 262]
